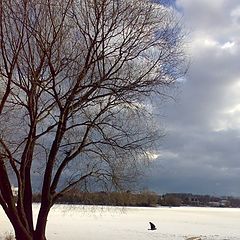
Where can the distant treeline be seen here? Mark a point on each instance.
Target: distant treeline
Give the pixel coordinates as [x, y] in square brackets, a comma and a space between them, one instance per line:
[145, 198]
[188, 199]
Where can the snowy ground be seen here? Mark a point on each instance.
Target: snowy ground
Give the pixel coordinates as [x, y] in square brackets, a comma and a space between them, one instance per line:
[115, 223]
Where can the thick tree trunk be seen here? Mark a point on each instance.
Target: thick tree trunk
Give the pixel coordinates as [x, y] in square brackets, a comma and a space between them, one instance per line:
[39, 236]
[40, 232]
[21, 233]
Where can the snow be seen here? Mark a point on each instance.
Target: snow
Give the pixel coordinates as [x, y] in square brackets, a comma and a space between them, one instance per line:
[74, 222]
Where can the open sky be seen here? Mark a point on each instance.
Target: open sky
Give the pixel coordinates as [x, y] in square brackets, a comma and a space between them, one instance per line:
[201, 151]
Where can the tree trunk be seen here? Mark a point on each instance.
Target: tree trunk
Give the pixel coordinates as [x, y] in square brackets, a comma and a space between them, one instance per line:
[40, 232]
[22, 234]
[39, 236]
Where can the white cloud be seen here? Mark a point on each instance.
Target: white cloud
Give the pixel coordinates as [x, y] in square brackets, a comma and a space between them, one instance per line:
[152, 155]
[228, 45]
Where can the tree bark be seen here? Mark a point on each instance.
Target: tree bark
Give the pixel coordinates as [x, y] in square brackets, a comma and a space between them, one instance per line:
[21, 233]
[40, 232]
[39, 236]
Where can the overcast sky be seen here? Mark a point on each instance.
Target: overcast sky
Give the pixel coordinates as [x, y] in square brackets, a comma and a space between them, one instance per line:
[201, 152]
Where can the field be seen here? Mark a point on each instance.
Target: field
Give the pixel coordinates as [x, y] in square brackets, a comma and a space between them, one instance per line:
[67, 222]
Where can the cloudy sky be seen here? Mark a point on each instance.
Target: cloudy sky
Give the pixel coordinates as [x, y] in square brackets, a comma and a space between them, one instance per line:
[201, 152]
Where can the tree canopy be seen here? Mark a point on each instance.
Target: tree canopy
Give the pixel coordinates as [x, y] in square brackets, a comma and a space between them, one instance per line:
[75, 77]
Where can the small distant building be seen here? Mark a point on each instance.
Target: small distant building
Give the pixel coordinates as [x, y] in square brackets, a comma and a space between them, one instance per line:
[214, 204]
[225, 203]
[220, 203]
[193, 201]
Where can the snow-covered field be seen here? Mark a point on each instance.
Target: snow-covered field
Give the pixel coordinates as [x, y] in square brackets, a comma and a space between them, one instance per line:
[68, 222]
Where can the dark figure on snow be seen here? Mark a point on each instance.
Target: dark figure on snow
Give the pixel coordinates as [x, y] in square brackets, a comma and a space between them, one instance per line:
[153, 227]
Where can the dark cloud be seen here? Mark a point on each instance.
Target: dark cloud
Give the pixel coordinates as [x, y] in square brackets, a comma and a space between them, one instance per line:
[201, 152]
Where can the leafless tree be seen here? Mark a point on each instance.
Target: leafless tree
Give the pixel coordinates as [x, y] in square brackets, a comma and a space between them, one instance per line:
[74, 79]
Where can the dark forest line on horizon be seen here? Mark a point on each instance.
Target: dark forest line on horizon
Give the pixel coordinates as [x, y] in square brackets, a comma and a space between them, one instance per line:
[144, 199]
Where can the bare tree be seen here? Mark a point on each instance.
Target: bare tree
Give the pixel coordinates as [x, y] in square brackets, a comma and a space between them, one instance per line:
[74, 79]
